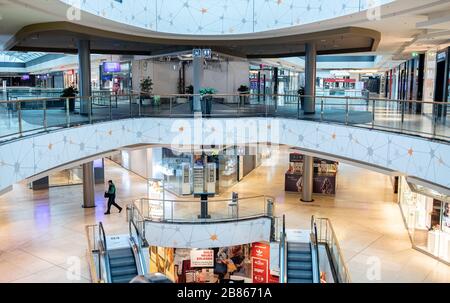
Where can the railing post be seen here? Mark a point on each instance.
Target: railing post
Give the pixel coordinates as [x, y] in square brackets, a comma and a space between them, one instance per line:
[403, 115]
[91, 109]
[435, 119]
[321, 109]
[346, 110]
[19, 115]
[131, 106]
[68, 111]
[44, 106]
[373, 113]
[139, 106]
[170, 106]
[110, 107]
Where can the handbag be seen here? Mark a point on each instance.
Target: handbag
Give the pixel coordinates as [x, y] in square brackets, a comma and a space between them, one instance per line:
[107, 195]
[220, 268]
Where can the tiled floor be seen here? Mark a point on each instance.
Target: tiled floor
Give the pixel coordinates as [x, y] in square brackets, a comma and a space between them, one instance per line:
[42, 235]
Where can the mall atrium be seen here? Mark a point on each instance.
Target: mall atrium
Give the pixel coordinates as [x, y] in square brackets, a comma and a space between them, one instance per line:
[232, 141]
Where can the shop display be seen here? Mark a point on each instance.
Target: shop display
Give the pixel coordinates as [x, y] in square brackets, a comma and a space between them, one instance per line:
[427, 219]
[324, 179]
[241, 264]
[198, 173]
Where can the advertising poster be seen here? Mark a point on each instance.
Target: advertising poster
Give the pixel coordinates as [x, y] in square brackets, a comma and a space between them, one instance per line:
[260, 262]
[202, 258]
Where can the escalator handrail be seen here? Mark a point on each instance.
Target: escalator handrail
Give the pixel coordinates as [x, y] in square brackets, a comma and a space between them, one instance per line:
[136, 248]
[104, 252]
[315, 244]
[283, 253]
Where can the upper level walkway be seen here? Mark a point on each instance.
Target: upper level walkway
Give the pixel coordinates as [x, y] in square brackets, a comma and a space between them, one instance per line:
[31, 115]
[385, 135]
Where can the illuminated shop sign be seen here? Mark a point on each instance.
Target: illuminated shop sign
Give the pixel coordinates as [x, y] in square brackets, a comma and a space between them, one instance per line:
[111, 67]
[202, 258]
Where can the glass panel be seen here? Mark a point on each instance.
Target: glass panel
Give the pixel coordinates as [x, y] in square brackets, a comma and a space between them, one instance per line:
[9, 123]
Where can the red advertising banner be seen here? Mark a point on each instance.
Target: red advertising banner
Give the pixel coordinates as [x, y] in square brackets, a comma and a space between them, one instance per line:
[260, 262]
[260, 270]
[261, 250]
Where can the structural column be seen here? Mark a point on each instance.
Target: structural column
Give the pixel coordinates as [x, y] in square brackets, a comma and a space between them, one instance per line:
[88, 185]
[310, 78]
[197, 81]
[308, 175]
[84, 61]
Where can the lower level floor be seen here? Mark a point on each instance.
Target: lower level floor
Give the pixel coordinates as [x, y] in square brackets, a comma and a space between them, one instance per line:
[42, 233]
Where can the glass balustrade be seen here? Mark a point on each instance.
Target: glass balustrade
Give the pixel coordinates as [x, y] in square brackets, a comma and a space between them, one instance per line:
[23, 117]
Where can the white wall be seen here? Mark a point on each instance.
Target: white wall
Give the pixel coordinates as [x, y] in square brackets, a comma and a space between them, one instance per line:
[225, 77]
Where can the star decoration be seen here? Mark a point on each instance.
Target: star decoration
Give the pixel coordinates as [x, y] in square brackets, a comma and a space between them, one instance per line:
[333, 136]
[50, 146]
[214, 237]
[410, 152]
[204, 10]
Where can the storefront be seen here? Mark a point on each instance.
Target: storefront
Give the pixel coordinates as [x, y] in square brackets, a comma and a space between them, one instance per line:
[427, 217]
[324, 179]
[442, 84]
[213, 171]
[116, 76]
[248, 263]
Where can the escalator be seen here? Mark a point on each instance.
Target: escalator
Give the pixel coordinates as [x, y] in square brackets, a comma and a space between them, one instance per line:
[299, 263]
[122, 265]
[115, 259]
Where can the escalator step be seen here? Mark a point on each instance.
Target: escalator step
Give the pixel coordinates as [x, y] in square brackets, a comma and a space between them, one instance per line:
[300, 265]
[121, 262]
[122, 271]
[293, 280]
[120, 253]
[299, 274]
[299, 246]
[299, 257]
[123, 279]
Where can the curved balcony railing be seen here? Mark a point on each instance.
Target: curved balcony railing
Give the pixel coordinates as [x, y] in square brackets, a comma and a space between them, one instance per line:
[19, 118]
[190, 211]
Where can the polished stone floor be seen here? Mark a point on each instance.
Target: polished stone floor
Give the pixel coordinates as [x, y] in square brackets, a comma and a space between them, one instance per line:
[42, 233]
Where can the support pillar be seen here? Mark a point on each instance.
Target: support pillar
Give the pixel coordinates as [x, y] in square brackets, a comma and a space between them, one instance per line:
[88, 185]
[310, 78]
[197, 81]
[84, 60]
[308, 176]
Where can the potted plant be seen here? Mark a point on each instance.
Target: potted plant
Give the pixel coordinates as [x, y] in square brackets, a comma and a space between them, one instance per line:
[146, 88]
[207, 97]
[190, 91]
[243, 94]
[156, 100]
[69, 92]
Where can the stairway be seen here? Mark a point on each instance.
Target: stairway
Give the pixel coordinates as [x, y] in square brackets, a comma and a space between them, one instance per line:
[122, 265]
[299, 263]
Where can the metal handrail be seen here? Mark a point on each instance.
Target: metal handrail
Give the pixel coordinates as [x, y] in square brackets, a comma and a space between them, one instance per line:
[268, 96]
[104, 252]
[331, 241]
[95, 276]
[283, 252]
[138, 205]
[315, 244]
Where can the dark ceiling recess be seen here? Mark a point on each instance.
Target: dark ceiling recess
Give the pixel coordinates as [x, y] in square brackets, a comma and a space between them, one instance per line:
[61, 37]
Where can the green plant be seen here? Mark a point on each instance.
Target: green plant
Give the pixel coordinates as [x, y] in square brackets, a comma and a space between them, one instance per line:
[208, 91]
[69, 92]
[243, 89]
[157, 100]
[146, 85]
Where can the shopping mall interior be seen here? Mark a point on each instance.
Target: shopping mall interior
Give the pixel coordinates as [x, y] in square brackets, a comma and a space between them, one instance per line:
[238, 142]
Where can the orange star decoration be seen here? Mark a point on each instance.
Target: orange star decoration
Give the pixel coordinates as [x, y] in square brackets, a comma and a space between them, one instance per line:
[110, 133]
[279, 2]
[214, 237]
[410, 152]
[50, 146]
[333, 136]
[181, 129]
[204, 10]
